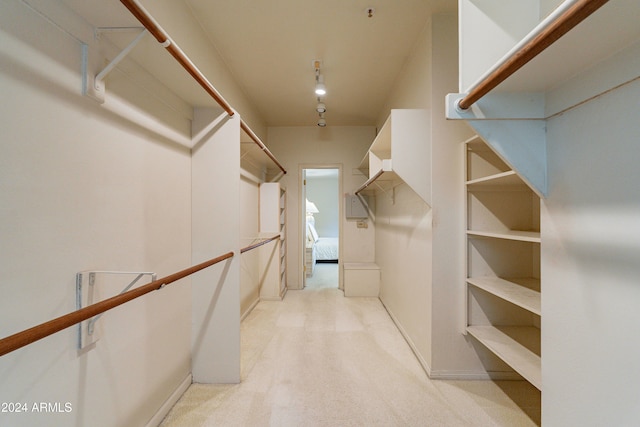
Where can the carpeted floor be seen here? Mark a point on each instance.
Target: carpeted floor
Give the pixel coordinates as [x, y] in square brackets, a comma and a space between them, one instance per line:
[320, 359]
[325, 275]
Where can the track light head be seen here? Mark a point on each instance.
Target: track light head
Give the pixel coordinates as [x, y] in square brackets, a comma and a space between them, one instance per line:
[320, 87]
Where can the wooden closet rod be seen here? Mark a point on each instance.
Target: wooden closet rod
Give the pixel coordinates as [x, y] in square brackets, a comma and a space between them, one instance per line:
[163, 38]
[369, 181]
[28, 336]
[257, 245]
[575, 14]
[263, 147]
[152, 26]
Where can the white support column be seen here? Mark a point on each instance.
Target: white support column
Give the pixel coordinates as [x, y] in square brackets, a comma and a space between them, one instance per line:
[216, 230]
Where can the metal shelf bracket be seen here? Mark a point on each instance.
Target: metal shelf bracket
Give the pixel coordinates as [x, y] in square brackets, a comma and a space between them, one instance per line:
[93, 85]
[87, 294]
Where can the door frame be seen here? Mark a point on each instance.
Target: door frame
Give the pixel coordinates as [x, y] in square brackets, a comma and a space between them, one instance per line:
[302, 217]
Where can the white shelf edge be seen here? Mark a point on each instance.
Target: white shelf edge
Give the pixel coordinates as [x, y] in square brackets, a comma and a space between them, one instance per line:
[521, 359]
[474, 139]
[509, 291]
[508, 178]
[385, 174]
[522, 236]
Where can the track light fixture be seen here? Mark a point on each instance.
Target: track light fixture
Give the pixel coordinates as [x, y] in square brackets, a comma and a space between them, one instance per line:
[321, 121]
[320, 87]
[320, 91]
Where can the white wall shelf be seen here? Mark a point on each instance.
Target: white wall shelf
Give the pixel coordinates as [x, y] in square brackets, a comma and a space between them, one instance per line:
[523, 236]
[400, 153]
[512, 290]
[507, 343]
[503, 262]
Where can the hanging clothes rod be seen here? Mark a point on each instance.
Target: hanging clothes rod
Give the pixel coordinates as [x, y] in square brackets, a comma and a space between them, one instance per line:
[369, 181]
[260, 144]
[562, 20]
[257, 245]
[28, 336]
[163, 38]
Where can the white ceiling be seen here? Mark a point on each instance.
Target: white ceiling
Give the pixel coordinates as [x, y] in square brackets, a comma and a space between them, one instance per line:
[270, 45]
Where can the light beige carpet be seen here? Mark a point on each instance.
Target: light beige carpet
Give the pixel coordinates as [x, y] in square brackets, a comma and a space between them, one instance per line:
[320, 359]
[325, 275]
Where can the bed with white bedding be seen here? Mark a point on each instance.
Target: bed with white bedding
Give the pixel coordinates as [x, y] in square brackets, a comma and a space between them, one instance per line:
[326, 249]
[323, 248]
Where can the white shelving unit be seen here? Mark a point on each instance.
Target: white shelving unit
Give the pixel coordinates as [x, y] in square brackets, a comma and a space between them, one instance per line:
[283, 243]
[273, 256]
[401, 152]
[309, 261]
[503, 263]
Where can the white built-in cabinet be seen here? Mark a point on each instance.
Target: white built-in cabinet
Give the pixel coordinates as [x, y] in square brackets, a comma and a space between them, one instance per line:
[401, 152]
[273, 256]
[503, 263]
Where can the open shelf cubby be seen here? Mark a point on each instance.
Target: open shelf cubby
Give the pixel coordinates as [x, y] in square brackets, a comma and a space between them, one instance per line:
[503, 263]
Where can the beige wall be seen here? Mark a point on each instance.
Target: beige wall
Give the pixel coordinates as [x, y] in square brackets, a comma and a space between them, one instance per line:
[412, 88]
[404, 254]
[324, 192]
[404, 222]
[419, 248]
[215, 227]
[82, 189]
[297, 147]
[590, 250]
[89, 186]
[452, 354]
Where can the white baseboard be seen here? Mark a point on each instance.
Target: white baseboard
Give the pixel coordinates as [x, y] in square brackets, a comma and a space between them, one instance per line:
[408, 339]
[250, 309]
[475, 375]
[270, 298]
[168, 404]
[276, 297]
[448, 375]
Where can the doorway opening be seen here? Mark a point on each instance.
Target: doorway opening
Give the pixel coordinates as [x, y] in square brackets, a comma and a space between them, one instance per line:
[321, 211]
